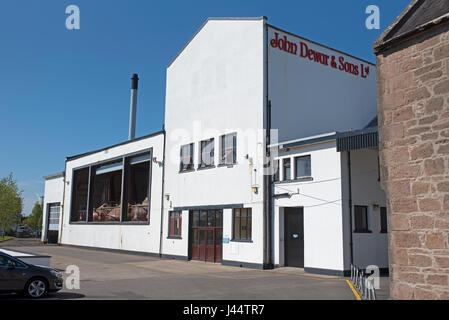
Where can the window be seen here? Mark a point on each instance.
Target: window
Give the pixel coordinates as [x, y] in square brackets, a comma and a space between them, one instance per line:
[107, 191]
[4, 261]
[228, 147]
[115, 191]
[302, 167]
[383, 220]
[242, 224]
[79, 196]
[186, 157]
[207, 153]
[53, 216]
[137, 185]
[207, 218]
[287, 168]
[361, 219]
[175, 223]
[276, 171]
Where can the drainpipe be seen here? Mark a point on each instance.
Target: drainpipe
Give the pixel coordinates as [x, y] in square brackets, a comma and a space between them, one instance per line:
[267, 194]
[350, 209]
[61, 220]
[162, 197]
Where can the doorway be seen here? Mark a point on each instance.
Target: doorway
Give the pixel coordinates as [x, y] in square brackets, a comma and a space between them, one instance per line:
[53, 213]
[206, 235]
[294, 237]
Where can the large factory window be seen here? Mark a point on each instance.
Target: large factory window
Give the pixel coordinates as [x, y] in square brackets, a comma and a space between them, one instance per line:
[106, 193]
[113, 192]
[138, 181]
[79, 196]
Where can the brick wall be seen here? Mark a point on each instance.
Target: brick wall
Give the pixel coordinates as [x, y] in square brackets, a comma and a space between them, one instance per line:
[413, 91]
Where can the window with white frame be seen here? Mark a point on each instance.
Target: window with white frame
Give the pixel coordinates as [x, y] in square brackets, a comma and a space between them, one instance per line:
[242, 224]
[303, 167]
[228, 147]
[207, 153]
[286, 167]
[186, 157]
[175, 223]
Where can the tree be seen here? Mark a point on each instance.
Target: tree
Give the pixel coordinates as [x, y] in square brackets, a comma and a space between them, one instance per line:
[34, 220]
[10, 203]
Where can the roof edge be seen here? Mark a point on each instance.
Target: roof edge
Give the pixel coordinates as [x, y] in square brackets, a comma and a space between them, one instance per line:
[380, 45]
[54, 176]
[70, 158]
[405, 36]
[395, 22]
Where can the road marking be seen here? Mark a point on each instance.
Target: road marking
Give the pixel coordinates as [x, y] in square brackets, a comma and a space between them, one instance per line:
[353, 290]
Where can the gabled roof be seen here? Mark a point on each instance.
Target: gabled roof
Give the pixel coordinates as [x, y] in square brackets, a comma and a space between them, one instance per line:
[202, 26]
[418, 16]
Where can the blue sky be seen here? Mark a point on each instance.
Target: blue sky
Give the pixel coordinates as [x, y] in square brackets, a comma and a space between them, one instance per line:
[67, 92]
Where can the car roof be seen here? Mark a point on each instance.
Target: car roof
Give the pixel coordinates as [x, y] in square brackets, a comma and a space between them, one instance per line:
[14, 258]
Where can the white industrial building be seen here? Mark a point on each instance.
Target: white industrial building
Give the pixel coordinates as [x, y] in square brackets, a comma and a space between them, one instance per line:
[268, 158]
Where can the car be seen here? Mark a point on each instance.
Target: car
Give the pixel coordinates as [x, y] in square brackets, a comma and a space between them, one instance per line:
[34, 281]
[25, 232]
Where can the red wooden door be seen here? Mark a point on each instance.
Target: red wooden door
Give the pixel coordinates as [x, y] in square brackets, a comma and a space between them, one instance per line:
[206, 233]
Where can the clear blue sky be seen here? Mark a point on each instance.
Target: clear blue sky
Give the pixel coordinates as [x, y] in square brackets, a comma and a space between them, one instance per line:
[67, 92]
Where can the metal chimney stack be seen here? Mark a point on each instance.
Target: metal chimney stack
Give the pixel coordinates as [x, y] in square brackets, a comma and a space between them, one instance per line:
[133, 107]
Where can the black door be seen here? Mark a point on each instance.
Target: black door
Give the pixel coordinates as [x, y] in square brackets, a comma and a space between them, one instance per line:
[294, 237]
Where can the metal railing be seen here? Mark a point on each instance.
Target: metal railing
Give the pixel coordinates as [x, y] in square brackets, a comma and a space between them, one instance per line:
[363, 283]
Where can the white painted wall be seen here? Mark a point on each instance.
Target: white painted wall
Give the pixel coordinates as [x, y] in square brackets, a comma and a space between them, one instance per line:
[323, 228]
[143, 238]
[54, 189]
[308, 98]
[368, 248]
[214, 87]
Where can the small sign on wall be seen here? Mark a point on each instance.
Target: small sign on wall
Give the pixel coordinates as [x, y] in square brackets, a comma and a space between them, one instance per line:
[225, 240]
